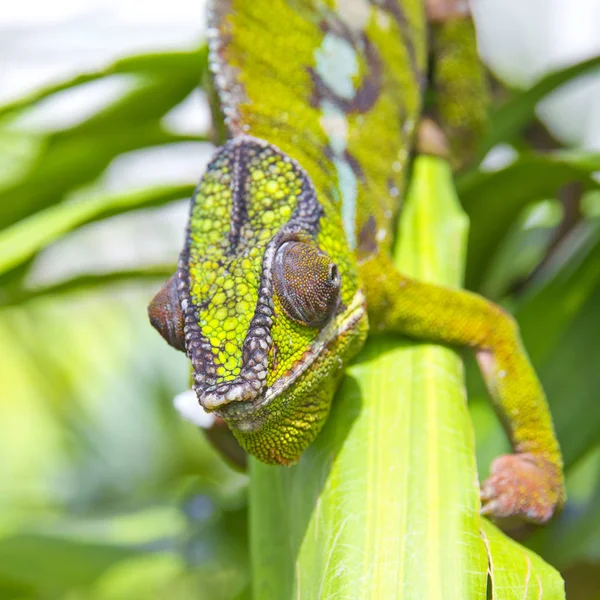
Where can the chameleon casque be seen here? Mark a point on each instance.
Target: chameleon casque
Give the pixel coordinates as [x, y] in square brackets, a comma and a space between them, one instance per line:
[287, 260]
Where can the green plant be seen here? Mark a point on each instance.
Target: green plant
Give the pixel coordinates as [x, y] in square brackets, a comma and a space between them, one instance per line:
[118, 499]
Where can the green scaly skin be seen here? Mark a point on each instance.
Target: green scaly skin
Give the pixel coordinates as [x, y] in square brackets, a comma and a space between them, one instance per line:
[291, 229]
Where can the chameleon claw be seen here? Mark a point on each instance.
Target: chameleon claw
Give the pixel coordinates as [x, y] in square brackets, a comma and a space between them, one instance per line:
[489, 509]
[522, 486]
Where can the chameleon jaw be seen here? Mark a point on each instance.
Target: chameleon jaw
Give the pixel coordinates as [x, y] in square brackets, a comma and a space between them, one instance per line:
[241, 414]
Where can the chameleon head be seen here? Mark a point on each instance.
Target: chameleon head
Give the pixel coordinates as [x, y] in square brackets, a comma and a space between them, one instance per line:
[265, 301]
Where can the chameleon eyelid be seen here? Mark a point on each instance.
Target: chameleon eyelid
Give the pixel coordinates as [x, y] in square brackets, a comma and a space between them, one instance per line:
[307, 282]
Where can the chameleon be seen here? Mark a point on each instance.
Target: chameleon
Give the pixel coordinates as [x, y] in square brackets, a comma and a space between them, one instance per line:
[286, 266]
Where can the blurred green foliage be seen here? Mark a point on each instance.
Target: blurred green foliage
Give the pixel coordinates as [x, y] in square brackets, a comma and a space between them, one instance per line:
[104, 492]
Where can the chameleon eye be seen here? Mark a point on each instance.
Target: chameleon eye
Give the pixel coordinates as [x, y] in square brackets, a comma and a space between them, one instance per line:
[307, 282]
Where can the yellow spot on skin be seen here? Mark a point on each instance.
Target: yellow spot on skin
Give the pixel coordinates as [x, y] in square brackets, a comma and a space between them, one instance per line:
[271, 187]
[219, 298]
[257, 174]
[230, 323]
[268, 217]
[221, 314]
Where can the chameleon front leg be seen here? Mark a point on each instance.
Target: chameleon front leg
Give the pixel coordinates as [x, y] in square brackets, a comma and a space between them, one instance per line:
[528, 484]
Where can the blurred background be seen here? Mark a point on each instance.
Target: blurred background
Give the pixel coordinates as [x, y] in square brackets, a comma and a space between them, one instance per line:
[105, 493]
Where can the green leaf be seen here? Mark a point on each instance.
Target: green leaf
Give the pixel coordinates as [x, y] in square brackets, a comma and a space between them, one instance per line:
[55, 563]
[510, 118]
[559, 293]
[151, 64]
[68, 162]
[21, 241]
[494, 200]
[77, 155]
[560, 327]
[517, 573]
[385, 503]
[87, 282]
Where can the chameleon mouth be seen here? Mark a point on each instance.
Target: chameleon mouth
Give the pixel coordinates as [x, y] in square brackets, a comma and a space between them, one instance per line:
[239, 412]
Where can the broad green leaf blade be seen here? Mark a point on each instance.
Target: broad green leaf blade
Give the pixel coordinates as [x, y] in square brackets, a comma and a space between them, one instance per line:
[494, 200]
[560, 327]
[510, 118]
[69, 162]
[144, 64]
[87, 282]
[21, 241]
[562, 289]
[55, 563]
[571, 376]
[77, 162]
[385, 503]
[517, 573]
[70, 158]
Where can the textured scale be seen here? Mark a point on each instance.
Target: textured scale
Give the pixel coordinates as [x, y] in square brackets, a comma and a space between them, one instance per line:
[250, 359]
[228, 238]
[292, 225]
[344, 103]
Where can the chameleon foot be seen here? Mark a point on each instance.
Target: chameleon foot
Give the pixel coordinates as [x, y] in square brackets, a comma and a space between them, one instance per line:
[524, 487]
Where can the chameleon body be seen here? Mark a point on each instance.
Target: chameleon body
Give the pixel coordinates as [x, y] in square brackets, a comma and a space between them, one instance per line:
[287, 261]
